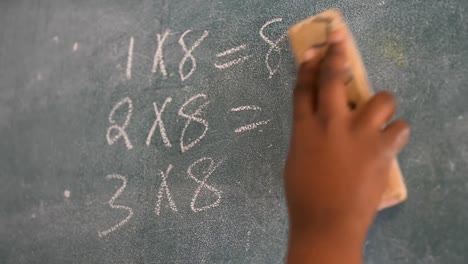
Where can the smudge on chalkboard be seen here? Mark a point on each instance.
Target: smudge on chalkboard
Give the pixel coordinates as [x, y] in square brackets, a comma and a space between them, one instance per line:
[395, 51]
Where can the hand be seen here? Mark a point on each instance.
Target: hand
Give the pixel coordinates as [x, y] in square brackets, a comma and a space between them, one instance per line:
[339, 159]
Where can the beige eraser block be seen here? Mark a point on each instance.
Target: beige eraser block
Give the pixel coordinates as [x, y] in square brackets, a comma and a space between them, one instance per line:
[314, 32]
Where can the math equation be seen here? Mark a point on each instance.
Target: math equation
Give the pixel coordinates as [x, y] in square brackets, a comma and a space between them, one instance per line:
[223, 59]
[191, 111]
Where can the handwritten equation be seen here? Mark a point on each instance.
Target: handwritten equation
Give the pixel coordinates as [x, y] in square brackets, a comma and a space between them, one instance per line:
[116, 131]
[223, 59]
[164, 192]
[192, 111]
[117, 134]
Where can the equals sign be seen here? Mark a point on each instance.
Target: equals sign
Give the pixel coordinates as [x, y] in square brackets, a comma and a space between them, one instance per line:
[250, 126]
[231, 63]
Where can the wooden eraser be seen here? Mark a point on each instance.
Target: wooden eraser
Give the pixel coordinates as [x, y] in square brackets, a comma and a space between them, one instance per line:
[313, 32]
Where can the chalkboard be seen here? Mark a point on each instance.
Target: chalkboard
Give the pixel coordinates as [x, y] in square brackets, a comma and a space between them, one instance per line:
[153, 131]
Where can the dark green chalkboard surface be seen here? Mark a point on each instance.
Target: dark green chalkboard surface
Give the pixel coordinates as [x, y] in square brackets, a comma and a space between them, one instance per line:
[155, 131]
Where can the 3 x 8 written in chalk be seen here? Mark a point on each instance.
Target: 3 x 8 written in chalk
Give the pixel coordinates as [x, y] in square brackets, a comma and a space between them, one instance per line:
[199, 172]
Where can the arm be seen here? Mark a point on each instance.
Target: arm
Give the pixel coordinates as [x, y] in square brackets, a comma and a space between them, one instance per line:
[338, 163]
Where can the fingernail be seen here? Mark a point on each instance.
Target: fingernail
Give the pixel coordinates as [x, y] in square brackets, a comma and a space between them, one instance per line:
[403, 137]
[310, 54]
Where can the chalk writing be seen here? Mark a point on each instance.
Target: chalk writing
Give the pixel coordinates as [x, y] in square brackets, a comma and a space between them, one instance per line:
[224, 59]
[274, 47]
[204, 165]
[251, 126]
[114, 206]
[247, 246]
[114, 132]
[128, 72]
[190, 118]
[246, 108]
[192, 111]
[163, 188]
[188, 54]
[203, 184]
[159, 121]
[158, 55]
[120, 129]
[232, 62]
[231, 51]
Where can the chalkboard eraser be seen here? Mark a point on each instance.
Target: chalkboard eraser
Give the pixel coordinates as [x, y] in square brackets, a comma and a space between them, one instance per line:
[313, 32]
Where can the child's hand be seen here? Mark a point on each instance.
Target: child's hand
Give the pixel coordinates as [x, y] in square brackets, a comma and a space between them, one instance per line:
[339, 159]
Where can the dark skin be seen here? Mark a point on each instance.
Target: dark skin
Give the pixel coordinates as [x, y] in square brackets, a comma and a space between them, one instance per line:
[339, 161]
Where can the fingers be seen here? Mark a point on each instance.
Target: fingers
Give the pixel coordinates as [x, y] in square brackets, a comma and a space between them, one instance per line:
[332, 89]
[396, 136]
[378, 111]
[305, 92]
